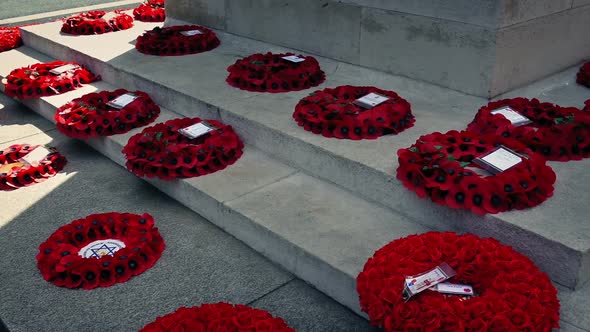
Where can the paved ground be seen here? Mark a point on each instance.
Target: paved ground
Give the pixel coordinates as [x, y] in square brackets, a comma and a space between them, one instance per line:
[16, 8]
[201, 262]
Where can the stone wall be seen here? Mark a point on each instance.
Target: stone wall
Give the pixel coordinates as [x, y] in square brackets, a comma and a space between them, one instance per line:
[483, 47]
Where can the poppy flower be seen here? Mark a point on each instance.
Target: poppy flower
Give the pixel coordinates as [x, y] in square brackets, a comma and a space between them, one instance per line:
[583, 76]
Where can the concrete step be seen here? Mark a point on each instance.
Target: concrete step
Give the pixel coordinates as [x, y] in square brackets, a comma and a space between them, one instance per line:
[318, 231]
[554, 234]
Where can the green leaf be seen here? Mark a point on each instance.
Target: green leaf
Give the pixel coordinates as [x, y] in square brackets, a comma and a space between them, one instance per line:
[414, 149]
[564, 120]
[451, 157]
[465, 163]
[159, 136]
[438, 147]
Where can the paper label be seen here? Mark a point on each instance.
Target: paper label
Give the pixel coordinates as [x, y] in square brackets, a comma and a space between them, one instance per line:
[6, 168]
[122, 101]
[502, 159]
[513, 116]
[371, 100]
[36, 155]
[197, 130]
[62, 69]
[191, 33]
[416, 284]
[100, 248]
[455, 289]
[294, 58]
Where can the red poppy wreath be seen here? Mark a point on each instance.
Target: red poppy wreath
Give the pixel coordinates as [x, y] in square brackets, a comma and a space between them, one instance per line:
[177, 40]
[46, 79]
[218, 317]
[16, 172]
[511, 294]
[102, 114]
[163, 151]
[150, 11]
[558, 133]
[583, 76]
[96, 22]
[436, 167]
[100, 250]
[337, 113]
[275, 73]
[9, 38]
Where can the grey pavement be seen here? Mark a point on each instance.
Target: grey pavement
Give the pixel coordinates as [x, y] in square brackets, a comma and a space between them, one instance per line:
[16, 8]
[201, 263]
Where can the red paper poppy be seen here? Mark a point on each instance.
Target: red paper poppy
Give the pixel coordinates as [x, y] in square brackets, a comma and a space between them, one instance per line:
[9, 38]
[96, 22]
[333, 113]
[271, 73]
[100, 250]
[583, 76]
[90, 115]
[587, 105]
[171, 40]
[37, 81]
[150, 11]
[558, 133]
[218, 317]
[511, 294]
[435, 167]
[162, 151]
[16, 174]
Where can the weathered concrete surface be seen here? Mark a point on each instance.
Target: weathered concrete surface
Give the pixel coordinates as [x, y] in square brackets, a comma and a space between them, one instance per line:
[483, 48]
[364, 167]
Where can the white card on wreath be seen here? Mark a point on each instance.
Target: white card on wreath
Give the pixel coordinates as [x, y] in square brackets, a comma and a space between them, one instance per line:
[62, 69]
[294, 58]
[500, 160]
[191, 33]
[122, 100]
[197, 130]
[36, 155]
[513, 116]
[371, 100]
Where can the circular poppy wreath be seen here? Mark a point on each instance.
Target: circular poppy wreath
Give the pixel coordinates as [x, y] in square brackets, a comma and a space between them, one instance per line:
[21, 175]
[435, 167]
[90, 115]
[9, 38]
[100, 250]
[271, 73]
[96, 22]
[161, 151]
[558, 133]
[511, 293]
[333, 113]
[170, 41]
[218, 317]
[583, 76]
[150, 11]
[36, 80]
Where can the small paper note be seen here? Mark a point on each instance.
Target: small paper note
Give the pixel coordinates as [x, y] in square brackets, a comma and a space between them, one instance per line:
[62, 69]
[191, 33]
[454, 289]
[6, 168]
[418, 283]
[499, 160]
[197, 130]
[122, 101]
[294, 58]
[513, 116]
[371, 100]
[36, 155]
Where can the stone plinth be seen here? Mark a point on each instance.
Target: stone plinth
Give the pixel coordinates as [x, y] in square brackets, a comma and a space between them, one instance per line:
[483, 47]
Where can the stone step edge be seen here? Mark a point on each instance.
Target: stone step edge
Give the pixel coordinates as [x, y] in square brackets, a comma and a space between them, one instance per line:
[336, 283]
[375, 186]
